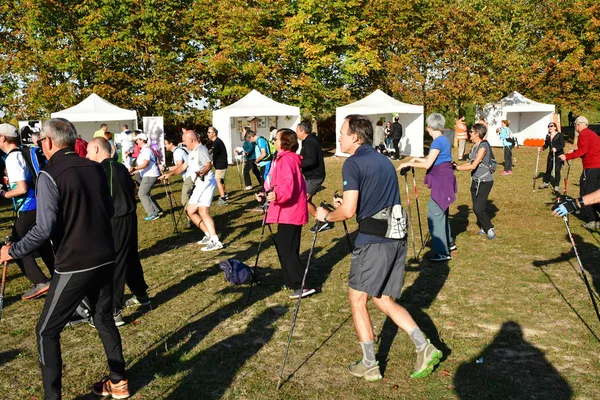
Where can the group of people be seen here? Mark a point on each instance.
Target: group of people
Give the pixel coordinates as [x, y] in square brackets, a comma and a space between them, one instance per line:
[387, 140]
[289, 179]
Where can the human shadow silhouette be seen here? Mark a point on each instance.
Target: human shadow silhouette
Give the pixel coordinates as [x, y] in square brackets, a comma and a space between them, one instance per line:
[416, 299]
[459, 221]
[212, 371]
[168, 363]
[510, 368]
[8, 355]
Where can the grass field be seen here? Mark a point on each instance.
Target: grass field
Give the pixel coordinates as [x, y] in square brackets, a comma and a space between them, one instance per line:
[512, 315]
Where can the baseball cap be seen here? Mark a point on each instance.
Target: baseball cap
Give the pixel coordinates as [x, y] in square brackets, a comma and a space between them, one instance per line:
[8, 130]
[142, 136]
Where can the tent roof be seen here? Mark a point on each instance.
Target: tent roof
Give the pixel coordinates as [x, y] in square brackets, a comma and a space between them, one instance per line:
[516, 102]
[257, 104]
[95, 108]
[380, 103]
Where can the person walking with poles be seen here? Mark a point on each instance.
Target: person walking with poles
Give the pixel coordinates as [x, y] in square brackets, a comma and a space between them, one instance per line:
[180, 158]
[286, 193]
[442, 182]
[124, 224]
[505, 134]
[198, 207]
[313, 168]
[378, 262]
[555, 142]
[588, 149]
[147, 167]
[74, 210]
[482, 167]
[21, 176]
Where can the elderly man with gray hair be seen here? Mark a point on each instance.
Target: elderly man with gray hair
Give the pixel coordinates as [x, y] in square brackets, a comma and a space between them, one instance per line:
[74, 211]
[588, 149]
[442, 182]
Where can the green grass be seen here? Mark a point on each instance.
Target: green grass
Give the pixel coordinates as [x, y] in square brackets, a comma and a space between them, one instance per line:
[515, 303]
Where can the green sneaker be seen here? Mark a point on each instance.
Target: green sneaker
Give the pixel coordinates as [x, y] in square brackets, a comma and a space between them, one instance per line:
[371, 374]
[426, 360]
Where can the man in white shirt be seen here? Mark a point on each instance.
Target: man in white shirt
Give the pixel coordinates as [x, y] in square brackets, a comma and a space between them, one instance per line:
[147, 167]
[180, 158]
[22, 193]
[126, 143]
[199, 167]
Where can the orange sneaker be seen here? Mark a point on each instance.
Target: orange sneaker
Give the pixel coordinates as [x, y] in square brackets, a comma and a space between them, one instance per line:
[116, 390]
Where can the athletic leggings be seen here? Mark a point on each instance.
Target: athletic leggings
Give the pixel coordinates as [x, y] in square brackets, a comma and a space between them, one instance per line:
[480, 201]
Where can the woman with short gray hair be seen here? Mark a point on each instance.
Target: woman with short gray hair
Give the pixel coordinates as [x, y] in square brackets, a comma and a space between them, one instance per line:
[442, 182]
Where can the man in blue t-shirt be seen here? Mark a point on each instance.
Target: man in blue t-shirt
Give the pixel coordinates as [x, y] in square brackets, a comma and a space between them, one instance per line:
[377, 269]
[22, 193]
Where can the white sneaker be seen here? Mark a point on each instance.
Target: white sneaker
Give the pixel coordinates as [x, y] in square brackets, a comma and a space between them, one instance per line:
[213, 246]
[205, 240]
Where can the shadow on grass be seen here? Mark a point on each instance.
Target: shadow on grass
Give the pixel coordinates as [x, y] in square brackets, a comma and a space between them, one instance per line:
[588, 254]
[211, 371]
[510, 368]
[416, 298]
[8, 355]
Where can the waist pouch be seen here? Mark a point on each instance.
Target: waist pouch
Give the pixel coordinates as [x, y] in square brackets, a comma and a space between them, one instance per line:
[388, 223]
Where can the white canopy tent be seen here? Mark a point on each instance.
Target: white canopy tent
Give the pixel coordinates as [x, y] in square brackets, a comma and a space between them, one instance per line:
[379, 105]
[528, 119]
[255, 110]
[88, 115]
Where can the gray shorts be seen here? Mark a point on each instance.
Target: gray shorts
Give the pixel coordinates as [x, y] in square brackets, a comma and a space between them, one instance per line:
[378, 268]
[313, 186]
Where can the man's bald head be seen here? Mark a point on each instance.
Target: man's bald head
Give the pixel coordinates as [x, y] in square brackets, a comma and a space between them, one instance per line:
[190, 139]
[98, 149]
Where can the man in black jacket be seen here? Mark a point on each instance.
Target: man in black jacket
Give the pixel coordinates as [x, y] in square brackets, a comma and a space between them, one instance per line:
[74, 210]
[128, 268]
[219, 158]
[396, 135]
[313, 167]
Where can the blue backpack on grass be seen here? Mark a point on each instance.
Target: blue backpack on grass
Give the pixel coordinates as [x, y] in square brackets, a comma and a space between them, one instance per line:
[236, 272]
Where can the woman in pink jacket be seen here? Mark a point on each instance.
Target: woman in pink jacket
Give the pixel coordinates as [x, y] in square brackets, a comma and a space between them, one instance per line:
[288, 208]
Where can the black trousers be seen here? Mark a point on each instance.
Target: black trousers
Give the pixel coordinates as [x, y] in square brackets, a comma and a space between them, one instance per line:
[395, 143]
[588, 183]
[67, 290]
[24, 222]
[288, 244]
[550, 165]
[128, 268]
[480, 200]
[508, 158]
[251, 165]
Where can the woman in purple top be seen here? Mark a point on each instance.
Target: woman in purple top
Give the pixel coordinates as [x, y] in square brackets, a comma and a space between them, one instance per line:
[442, 182]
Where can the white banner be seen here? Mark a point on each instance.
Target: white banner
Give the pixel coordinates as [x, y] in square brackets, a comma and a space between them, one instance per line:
[154, 128]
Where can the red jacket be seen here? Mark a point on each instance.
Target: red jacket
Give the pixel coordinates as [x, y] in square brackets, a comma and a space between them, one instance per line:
[588, 148]
[285, 175]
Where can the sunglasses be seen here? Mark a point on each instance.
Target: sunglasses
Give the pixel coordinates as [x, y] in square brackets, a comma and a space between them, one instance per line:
[551, 126]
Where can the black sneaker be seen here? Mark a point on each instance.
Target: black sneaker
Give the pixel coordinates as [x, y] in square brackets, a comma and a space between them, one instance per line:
[441, 258]
[306, 292]
[452, 246]
[324, 227]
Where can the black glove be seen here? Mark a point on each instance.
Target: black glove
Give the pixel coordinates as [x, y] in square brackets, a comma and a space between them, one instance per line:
[565, 205]
[404, 171]
[454, 165]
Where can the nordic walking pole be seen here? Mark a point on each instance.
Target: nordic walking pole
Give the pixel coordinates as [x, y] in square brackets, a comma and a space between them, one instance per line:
[404, 171]
[585, 279]
[567, 176]
[265, 206]
[4, 269]
[336, 195]
[417, 202]
[537, 161]
[262, 235]
[287, 348]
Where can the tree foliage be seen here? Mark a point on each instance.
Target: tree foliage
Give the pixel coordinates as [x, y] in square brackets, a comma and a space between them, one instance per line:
[158, 57]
